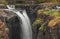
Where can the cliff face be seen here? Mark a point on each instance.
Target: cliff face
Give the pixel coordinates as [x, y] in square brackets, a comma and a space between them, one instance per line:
[9, 25]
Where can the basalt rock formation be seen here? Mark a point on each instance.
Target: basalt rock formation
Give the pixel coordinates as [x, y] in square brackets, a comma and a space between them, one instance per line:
[9, 25]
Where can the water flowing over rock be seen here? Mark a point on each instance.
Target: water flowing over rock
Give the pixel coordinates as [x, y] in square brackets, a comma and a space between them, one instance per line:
[26, 32]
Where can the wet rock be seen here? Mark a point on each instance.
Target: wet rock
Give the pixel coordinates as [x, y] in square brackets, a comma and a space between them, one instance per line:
[10, 25]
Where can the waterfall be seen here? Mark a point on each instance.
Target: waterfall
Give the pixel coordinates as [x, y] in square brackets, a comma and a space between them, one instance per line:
[58, 7]
[28, 22]
[25, 26]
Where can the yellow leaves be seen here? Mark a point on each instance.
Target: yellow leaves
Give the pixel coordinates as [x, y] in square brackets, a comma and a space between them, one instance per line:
[55, 16]
[37, 21]
[53, 22]
[42, 28]
[40, 11]
[54, 1]
[3, 2]
[56, 13]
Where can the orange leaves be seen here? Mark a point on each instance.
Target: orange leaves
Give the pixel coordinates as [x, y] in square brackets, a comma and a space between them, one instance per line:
[53, 22]
[1, 23]
[4, 31]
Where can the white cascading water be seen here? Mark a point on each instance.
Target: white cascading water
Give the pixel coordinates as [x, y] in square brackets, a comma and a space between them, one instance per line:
[25, 26]
[28, 22]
